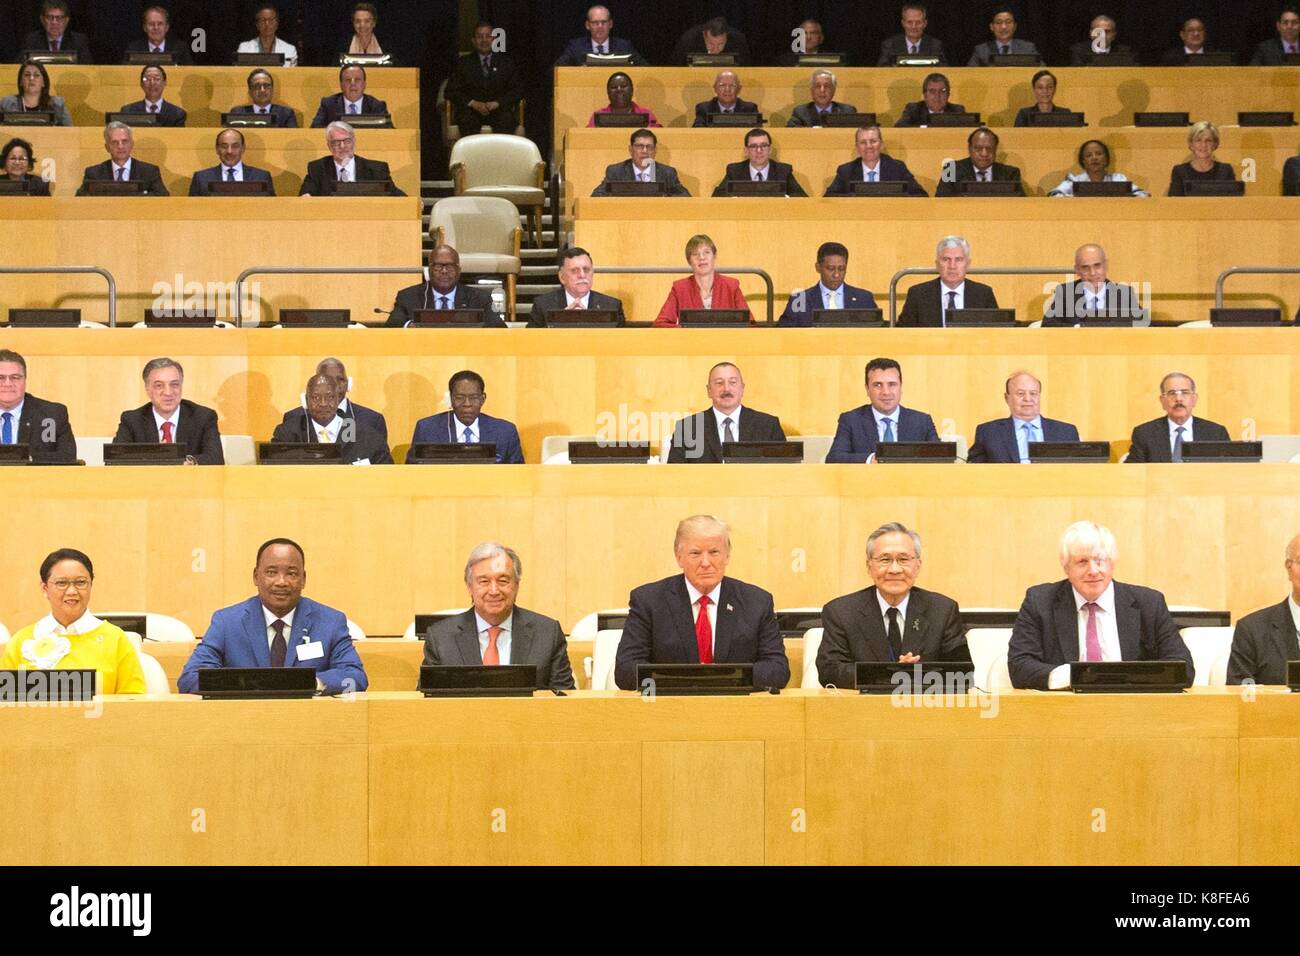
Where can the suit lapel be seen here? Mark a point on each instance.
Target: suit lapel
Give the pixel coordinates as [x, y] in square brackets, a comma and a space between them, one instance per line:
[184, 425]
[1066, 619]
[1128, 621]
[521, 640]
[709, 425]
[255, 632]
[680, 609]
[1283, 633]
[725, 631]
[1008, 433]
[467, 639]
[875, 646]
[918, 621]
[303, 620]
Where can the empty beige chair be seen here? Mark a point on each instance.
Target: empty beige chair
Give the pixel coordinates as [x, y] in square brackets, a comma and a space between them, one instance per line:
[586, 626]
[1210, 647]
[410, 633]
[988, 652]
[355, 631]
[507, 167]
[239, 449]
[812, 639]
[603, 653]
[555, 448]
[1280, 449]
[815, 447]
[159, 627]
[485, 231]
[1196, 324]
[220, 324]
[91, 449]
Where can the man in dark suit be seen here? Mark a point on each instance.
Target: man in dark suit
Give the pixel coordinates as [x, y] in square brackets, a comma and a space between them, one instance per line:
[1003, 27]
[832, 292]
[27, 420]
[934, 99]
[575, 293]
[808, 40]
[153, 81]
[1163, 439]
[320, 422]
[893, 620]
[1192, 36]
[1266, 639]
[1090, 295]
[822, 89]
[714, 36]
[760, 167]
[351, 100]
[883, 419]
[1089, 617]
[928, 303]
[279, 628]
[334, 370]
[726, 99]
[979, 166]
[598, 40]
[54, 35]
[701, 616]
[484, 88]
[169, 418]
[121, 165]
[261, 90]
[1102, 32]
[1006, 440]
[495, 630]
[157, 22]
[343, 165]
[912, 41]
[698, 439]
[1274, 52]
[641, 166]
[231, 168]
[442, 291]
[466, 423]
[873, 165]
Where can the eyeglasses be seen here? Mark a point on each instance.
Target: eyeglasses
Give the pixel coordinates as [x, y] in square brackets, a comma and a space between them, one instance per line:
[339, 142]
[63, 584]
[473, 399]
[886, 561]
[1179, 392]
[758, 146]
[444, 266]
[13, 379]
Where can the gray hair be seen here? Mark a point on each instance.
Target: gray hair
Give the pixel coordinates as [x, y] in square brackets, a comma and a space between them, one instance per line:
[154, 365]
[893, 527]
[115, 125]
[816, 73]
[1090, 538]
[488, 550]
[339, 124]
[701, 526]
[1164, 381]
[947, 242]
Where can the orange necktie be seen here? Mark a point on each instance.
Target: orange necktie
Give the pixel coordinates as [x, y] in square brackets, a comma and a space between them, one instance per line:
[490, 656]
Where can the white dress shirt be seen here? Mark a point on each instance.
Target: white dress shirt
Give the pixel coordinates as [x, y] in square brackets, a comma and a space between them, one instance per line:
[332, 430]
[646, 175]
[868, 170]
[718, 416]
[1022, 440]
[237, 170]
[350, 168]
[460, 431]
[503, 639]
[880, 422]
[255, 46]
[755, 173]
[958, 303]
[149, 105]
[174, 418]
[348, 106]
[902, 615]
[694, 594]
[833, 298]
[270, 631]
[584, 299]
[48, 626]
[1107, 634]
[125, 167]
[1173, 431]
[1094, 300]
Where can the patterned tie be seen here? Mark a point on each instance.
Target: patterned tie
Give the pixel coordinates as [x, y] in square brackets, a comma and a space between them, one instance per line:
[1091, 641]
[166, 433]
[727, 433]
[343, 175]
[230, 174]
[153, 107]
[1178, 443]
[56, 44]
[120, 175]
[832, 300]
[7, 430]
[278, 645]
[156, 49]
[1003, 49]
[442, 303]
[704, 632]
[871, 175]
[952, 302]
[487, 65]
[353, 109]
[491, 656]
[323, 434]
[264, 110]
[601, 49]
[895, 638]
[469, 435]
[911, 47]
[889, 430]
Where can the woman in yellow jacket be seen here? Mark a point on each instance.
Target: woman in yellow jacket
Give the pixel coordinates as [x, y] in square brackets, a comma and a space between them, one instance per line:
[70, 636]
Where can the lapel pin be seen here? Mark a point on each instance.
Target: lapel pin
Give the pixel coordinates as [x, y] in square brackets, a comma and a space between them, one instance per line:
[729, 607]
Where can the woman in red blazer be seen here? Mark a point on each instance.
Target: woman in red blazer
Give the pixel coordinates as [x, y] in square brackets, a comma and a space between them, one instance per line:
[705, 289]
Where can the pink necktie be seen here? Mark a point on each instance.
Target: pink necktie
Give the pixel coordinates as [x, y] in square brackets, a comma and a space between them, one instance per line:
[1091, 640]
[491, 656]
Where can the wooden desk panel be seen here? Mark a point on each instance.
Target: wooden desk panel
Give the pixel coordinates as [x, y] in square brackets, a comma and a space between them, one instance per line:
[1270, 767]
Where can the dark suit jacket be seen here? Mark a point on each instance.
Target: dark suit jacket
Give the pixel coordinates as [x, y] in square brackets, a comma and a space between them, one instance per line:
[1291, 177]
[1066, 306]
[196, 429]
[282, 117]
[37, 415]
[696, 440]
[1023, 114]
[1262, 643]
[215, 174]
[660, 629]
[534, 639]
[441, 428]
[1183, 173]
[622, 173]
[805, 114]
[366, 444]
[141, 171]
[923, 307]
[322, 176]
[775, 172]
[363, 416]
[692, 41]
[423, 296]
[964, 171]
[800, 311]
[1081, 52]
[575, 52]
[169, 115]
[557, 301]
[467, 83]
[1046, 632]
[918, 114]
[891, 170]
[853, 630]
[995, 441]
[711, 106]
[36, 186]
[856, 434]
[984, 53]
[1268, 53]
[1151, 439]
[896, 46]
[1179, 57]
[37, 40]
[333, 108]
[182, 52]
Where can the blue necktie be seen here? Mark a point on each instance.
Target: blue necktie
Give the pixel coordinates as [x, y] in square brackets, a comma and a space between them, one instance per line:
[1178, 443]
[871, 175]
[7, 433]
[442, 304]
[469, 435]
[889, 430]
[1029, 436]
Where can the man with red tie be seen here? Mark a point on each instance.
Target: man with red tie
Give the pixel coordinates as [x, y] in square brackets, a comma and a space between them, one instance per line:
[701, 616]
[168, 418]
[54, 35]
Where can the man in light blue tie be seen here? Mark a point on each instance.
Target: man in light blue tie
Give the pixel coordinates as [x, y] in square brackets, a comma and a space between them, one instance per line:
[883, 419]
[1007, 440]
[27, 420]
[442, 291]
[351, 100]
[466, 423]
[1091, 296]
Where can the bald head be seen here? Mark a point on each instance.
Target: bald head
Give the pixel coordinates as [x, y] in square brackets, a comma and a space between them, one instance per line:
[1293, 567]
[1090, 265]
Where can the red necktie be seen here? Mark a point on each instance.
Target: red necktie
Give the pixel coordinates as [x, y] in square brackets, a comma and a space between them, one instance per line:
[167, 433]
[491, 655]
[704, 632]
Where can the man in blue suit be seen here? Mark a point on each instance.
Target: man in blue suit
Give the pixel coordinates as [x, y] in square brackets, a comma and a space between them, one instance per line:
[882, 420]
[261, 90]
[600, 23]
[351, 100]
[873, 165]
[279, 628]
[832, 292]
[153, 82]
[467, 423]
[1007, 440]
[230, 150]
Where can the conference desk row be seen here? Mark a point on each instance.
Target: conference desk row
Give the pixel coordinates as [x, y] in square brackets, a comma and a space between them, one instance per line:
[1108, 96]
[807, 777]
